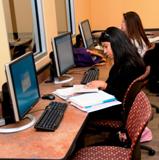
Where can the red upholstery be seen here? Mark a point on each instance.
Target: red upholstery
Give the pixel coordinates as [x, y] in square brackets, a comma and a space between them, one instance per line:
[138, 117]
[103, 153]
[143, 78]
[137, 120]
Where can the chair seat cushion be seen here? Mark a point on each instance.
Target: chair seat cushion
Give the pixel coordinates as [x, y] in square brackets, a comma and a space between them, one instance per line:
[103, 153]
[146, 135]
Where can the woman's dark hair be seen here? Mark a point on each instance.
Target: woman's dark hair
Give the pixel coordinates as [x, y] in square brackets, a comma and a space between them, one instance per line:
[79, 41]
[135, 28]
[123, 49]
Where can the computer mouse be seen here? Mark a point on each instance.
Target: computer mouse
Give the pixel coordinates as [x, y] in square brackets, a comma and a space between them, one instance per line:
[48, 96]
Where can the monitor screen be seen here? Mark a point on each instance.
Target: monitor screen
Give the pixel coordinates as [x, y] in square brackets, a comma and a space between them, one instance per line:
[85, 31]
[63, 55]
[23, 84]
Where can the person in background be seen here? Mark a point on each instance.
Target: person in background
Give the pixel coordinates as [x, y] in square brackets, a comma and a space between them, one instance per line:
[128, 65]
[132, 26]
[84, 57]
[79, 41]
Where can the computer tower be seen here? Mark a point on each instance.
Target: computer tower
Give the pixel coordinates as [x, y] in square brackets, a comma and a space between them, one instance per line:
[7, 107]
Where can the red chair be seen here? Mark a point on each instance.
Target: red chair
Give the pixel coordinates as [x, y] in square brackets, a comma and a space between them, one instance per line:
[114, 125]
[137, 119]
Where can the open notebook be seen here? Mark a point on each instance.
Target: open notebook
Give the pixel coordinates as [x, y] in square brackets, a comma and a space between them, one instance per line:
[90, 100]
[66, 93]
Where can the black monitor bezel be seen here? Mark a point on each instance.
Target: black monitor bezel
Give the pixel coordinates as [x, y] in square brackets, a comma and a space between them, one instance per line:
[59, 72]
[83, 33]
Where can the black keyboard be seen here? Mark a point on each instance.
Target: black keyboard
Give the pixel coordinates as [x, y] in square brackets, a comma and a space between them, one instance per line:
[90, 75]
[51, 117]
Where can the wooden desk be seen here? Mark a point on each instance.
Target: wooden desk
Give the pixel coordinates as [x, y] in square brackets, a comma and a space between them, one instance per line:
[153, 35]
[30, 144]
[152, 32]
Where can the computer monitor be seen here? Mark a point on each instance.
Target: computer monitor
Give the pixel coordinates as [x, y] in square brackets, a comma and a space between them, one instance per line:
[23, 88]
[85, 30]
[63, 57]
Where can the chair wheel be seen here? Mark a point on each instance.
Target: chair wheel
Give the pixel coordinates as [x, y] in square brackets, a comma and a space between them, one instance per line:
[152, 152]
[157, 110]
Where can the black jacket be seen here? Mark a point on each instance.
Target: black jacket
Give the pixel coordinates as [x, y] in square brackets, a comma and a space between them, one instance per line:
[120, 78]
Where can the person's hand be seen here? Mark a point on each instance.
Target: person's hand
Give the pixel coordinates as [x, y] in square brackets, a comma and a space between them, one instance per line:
[91, 51]
[97, 84]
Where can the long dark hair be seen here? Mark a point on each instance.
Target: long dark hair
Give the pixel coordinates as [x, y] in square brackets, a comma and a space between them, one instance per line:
[123, 49]
[135, 28]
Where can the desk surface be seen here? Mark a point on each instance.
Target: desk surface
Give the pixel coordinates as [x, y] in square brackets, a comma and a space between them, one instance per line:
[153, 35]
[30, 144]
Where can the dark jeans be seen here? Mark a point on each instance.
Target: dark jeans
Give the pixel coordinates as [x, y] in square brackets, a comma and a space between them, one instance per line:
[115, 113]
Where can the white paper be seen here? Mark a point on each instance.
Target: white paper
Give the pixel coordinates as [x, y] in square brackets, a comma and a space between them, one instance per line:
[90, 99]
[80, 97]
[66, 93]
[97, 107]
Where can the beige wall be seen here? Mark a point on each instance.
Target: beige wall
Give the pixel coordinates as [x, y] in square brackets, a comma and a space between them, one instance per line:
[82, 11]
[106, 13]
[61, 18]
[7, 13]
[147, 9]
[22, 13]
[4, 46]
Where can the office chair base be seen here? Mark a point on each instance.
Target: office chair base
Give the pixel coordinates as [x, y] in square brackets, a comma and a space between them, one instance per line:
[151, 151]
[156, 108]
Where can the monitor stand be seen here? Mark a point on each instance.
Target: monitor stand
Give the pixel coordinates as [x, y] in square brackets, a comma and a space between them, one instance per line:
[32, 121]
[63, 79]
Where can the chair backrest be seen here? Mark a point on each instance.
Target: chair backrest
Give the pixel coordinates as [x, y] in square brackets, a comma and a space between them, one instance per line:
[139, 115]
[134, 88]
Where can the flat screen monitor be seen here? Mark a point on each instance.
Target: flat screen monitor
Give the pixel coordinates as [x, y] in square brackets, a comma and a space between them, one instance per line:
[23, 87]
[85, 30]
[63, 57]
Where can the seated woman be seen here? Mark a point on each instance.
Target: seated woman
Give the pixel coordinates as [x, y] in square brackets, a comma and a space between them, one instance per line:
[133, 27]
[84, 57]
[128, 65]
